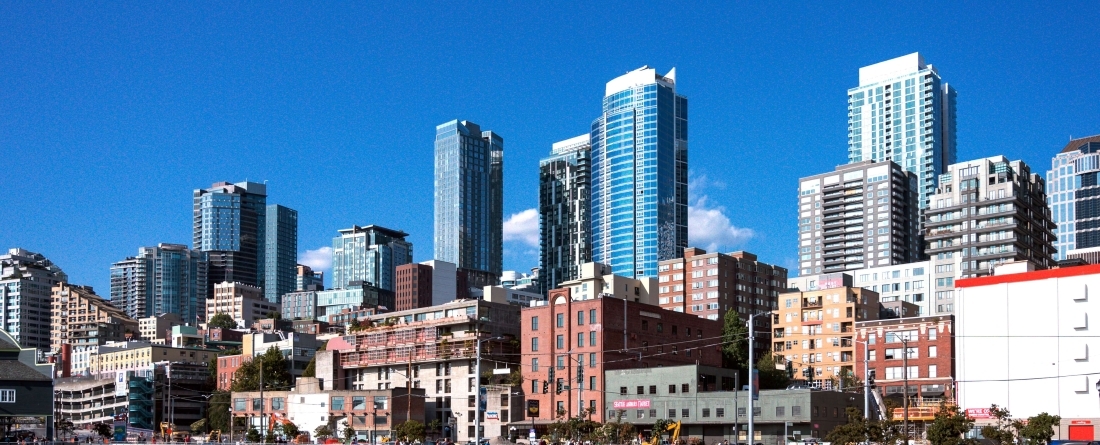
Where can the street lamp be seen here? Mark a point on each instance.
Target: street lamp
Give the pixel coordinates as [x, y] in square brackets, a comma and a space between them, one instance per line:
[905, 374]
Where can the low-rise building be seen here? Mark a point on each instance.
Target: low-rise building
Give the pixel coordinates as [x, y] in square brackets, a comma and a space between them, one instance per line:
[309, 279]
[158, 328]
[300, 305]
[245, 303]
[298, 348]
[911, 282]
[914, 356]
[500, 294]
[357, 295]
[25, 385]
[710, 284]
[597, 281]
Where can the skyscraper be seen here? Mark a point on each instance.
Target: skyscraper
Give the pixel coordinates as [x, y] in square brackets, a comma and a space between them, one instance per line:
[370, 254]
[230, 226]
[564, 207]
[860, 215]
[281, 257]
[639, 174]
[168, 278]
[469, 196]
[902, 111]
[26, 279]
[1071, 194]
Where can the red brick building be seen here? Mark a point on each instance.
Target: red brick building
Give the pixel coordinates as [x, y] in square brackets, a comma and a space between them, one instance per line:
[708, 285]
[603, 334]
[414, 286]
[931, 349]
[227, 366]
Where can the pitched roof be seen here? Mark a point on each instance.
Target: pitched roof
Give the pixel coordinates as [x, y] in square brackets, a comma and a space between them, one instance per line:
[1075, 144]
[17, 370]
[7, 343]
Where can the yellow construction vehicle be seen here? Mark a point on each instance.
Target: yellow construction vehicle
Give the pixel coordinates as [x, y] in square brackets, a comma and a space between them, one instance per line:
[674, 437]
[214, 436]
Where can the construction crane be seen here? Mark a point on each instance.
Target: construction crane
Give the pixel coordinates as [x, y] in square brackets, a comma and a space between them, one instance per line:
[675, 436]
[303, 437]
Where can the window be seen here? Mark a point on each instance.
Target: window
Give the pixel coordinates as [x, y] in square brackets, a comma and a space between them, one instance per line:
[796, 410]
[719, 412]
[591, 316]
[779, 411]
[534, 386]
[685, 388]
[561, 342]
[580, 318]
[358, 403]
[257, 404]
[561, 362]
[592, 342]
[622, 390]
[684, 412]
[871, 339]
[239, 405]
[561, 320]
[671, 413]
[652, 413]
[580, 339]
[931, 352]
[932, 334]
[534, 323]
[641, 390]
[653, 389]
[277, 403]
[932, 371]
[592, 382]
[706, 412]
[672, 389]
[7, 396]
[534, 344]
[535, 364]
[645, 325]
[871, 355]
[660, 327]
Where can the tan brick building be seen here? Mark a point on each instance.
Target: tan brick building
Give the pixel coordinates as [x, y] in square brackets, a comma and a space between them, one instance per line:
[81, 318]
[710, 284]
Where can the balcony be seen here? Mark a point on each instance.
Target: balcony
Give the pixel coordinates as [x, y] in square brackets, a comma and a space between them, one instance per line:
[812, 302]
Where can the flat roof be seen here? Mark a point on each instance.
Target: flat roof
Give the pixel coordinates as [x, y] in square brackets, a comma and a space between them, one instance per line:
[1061, 272]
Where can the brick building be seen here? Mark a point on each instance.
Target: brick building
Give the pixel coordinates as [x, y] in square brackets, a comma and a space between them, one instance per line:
[605, 334]
[815, 329]
[931, 352]
[709, 284]
[414, 286]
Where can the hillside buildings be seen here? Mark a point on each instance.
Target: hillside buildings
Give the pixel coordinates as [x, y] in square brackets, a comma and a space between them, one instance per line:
[639, 173]
[230, 225]
[244, 303]
[79, 318]
[168, 278]
[280, 252]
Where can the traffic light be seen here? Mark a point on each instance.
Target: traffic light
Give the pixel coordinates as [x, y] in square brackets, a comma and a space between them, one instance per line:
[551, 373]
[580, 374]
[790, 370]
[559, 387]
[871, 378]
[546, 387]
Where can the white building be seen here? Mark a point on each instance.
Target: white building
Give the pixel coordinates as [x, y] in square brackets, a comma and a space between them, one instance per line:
[243, 302]
[914, 283]
[596, 279]
[1023, 341]
[157, 328]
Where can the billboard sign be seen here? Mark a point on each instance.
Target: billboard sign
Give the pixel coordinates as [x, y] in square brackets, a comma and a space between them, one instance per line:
[978, 413]
[630, 404]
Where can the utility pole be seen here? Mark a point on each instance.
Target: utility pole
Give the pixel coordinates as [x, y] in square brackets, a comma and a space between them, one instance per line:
[408, 386]
[477, 395]
[752, 381]
[262, 435]
[905, 366]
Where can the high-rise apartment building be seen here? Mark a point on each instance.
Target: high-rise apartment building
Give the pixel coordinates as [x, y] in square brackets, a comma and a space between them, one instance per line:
[904, 112]
[82, 319]
[26, 280]
[1072, 195]
[309, 279]
[814, 329]
[169, 278]
[986, 212]
[370, 254]
[710, 284]
[564, 208]
[281, 252]
[469, 196]
[639, 173]
[863, 214]
[243, 302]
[230, 225]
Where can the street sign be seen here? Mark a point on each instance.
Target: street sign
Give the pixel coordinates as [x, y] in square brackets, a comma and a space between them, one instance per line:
[533, 409]
[531, 435]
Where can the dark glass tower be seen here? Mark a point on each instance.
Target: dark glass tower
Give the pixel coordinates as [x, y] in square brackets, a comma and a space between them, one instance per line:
[564, 209]
[281, 256]
[469, 213]
[230, 225]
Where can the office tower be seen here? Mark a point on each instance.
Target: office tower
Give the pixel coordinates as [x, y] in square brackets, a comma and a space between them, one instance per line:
[902, 111]
[564, 208]
[469, 190]
[230, 226]
[168, 278]
[639, 174]
[85, 320]
[1071, 195]
[710, 284]
[860, 215]
[369, 254]
[26, 279]
[986, 212]
[308, 279]
[281, 253]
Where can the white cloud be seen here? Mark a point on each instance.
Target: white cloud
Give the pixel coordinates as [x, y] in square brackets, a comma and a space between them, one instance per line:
[317, 259]
[708, 225]
[523, 227]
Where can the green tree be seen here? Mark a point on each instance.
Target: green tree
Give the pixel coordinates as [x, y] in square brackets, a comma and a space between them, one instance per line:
[735, 343]
[288, 429]
[349, 432]
[276, 376]
[102, 429]
[198, 426]
[323, 432]
[949, 427]
[409, 431]
[221, 320]
[854, 431]
[253, 436]
[435, 426]
[311, 368]
[1003, 430]
[64, 427]
[1040, 428]
[217, 411]
[771, 378]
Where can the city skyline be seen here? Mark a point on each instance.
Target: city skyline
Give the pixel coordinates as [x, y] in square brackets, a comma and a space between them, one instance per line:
[740, 132]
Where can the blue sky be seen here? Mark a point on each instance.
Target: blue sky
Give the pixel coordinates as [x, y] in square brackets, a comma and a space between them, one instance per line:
[111, 113]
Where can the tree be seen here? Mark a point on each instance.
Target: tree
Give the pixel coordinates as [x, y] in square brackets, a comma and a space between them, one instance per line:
[323, 432]
[217, 411]
[311, 368]
[288, 429]
[771, 378]
[1040, 428]
[852, 432]
[102, 429]
[221, 320]
[949, 427]
[198, 426]
[253, 436]
[409, 431]
[247, 377]
[1003, 429]
[65, 427]
[735, 343]
[435, 425]
[349, 432]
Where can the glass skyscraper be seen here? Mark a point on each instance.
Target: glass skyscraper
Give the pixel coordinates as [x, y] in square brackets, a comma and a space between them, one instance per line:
[564, 208]
[902, 111]
[639, 174]
[281, 252]
[1072, 194]
[469, 196]
[168, 278]
[230, 225]
[369, 254]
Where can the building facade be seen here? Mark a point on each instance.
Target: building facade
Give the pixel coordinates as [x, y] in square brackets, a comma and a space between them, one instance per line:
[861, 215]
[639, 173]
[158, 328]
[1071, 184]
[912, 283]
[986, 212]
[369, 254]
[914, 354]
[597, 281]
[230, 225]
[280, 252]
[572, 343]
[358, 295]
[168, 278]
[80, 318]
[814, 331]
[25, 385]
[309, 279]
[710, 284]
[469, 196]
[904, 112]
[300, 305]
[1043, 312]
[243, 302]
[565, 181]
[26, 282]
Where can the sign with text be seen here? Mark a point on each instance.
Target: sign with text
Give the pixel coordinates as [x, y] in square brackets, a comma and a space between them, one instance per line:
[492, 415]
[630, 404]
[978, 413]
[532, 408]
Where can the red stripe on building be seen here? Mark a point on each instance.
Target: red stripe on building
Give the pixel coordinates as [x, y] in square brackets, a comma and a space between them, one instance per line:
[1029, 276]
